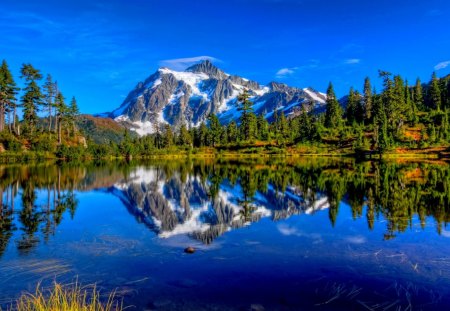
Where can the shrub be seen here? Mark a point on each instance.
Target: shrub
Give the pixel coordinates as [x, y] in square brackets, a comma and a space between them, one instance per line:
[44, 142]
[10, 142]
[69, 153]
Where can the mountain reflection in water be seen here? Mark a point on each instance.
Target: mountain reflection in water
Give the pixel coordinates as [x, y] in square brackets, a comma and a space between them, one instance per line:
[317, 230]
[206, 199]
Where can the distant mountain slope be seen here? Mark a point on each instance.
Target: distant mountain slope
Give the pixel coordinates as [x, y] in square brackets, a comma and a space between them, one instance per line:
[100, 130]
[189, 97]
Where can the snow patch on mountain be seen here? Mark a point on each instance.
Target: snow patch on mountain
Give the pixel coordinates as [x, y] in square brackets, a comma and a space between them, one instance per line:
[314, 96]
[192, 79]
[189, 97]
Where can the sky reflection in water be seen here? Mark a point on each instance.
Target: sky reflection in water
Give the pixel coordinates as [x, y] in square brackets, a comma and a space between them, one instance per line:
[282, 235]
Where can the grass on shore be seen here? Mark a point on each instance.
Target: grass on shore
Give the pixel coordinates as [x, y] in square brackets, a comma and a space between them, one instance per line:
[72, 297]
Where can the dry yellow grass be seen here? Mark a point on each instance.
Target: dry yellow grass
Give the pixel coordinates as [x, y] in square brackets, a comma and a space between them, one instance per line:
[72, 297]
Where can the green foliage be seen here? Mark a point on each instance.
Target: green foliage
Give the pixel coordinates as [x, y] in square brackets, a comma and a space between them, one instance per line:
[10, 142]
[367, 101]
[215, 130]
[434, 99]
[375, 122]
[69, 152]
[248, 119]
[184, 137]
[32, 97]
[8, 92]
[333, 114]
[44, 142]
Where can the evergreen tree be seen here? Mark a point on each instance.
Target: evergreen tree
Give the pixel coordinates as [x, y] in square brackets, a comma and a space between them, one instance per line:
[275, 121]
[223, 136]
[32, 97]
[283, 126]
[381, 135]
[389, 103]
[333, 114]
[233, 132]
[203, 134]
[159, 142]
[435, 93]
[432, 133]
[418, 95]
[263, 127]
[351, 111]
[384, 140]
[168, 136]
[400, 100]
[72, 114]
[184, 138]
[443, 86]
[246, 117]
[445, 126]
[126, 147]
[50, 90]
[367, 101]
[304, 131]
[448, 93]
[215, 129]
[8, 92]
[61, 114]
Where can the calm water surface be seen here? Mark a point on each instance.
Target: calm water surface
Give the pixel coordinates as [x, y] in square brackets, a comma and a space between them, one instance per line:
[270, 235]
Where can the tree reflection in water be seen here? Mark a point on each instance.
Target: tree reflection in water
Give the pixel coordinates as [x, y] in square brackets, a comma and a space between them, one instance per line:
[205, 198]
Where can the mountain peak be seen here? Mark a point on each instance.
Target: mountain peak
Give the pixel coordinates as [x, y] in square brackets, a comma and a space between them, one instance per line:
[190, 96]
[207, 67]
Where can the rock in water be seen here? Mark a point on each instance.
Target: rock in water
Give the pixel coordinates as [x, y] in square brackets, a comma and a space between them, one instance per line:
[189, 250]
[256, 307]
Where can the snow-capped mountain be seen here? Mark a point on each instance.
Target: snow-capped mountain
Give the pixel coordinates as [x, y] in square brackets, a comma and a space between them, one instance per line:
[189, 97]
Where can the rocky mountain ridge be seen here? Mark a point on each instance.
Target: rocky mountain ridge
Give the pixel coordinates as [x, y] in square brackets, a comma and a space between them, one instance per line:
[189, 97]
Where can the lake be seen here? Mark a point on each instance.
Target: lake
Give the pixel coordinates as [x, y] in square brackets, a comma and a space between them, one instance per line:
[269, 234]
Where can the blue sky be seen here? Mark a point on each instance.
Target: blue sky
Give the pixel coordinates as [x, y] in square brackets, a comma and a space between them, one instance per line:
[99, 50]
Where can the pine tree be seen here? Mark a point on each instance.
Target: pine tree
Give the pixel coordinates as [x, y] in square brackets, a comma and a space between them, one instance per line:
[223, 136]
[283, 126]
[381, 135]
[246, 118]
[8, 92]
[448, 93]
[203, 134]
[333, 114]
[435, 93]
[445, 126]
[390, 102]
[32, 97]
[399, 94]
[304, 131]
[418, 95]
[443, 82]
[159, 143]
[73, 113]
[384, 141]
[61, 114]
[233, 132]
[168, 136]
[432, 133]
[50, 90]
[367, 101]
[184, 138]
[215, 129]
[275, 121]
[263, 128]
[408, 103]
[351, 111]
